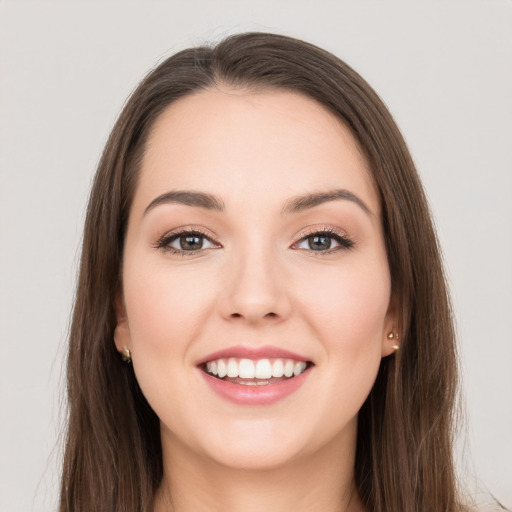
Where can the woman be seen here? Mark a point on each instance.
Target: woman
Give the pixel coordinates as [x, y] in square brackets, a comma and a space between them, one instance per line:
[261, 320]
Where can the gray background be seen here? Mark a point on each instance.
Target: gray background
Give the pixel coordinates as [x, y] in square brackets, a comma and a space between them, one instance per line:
[443, 67]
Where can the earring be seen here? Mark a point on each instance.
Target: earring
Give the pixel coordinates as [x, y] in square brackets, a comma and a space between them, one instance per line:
[126, 355]
[393, 336]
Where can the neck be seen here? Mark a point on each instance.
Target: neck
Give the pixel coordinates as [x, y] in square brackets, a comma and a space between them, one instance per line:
[323, 482]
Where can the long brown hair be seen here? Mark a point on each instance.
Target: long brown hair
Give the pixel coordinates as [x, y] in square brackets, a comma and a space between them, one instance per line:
[113, 458]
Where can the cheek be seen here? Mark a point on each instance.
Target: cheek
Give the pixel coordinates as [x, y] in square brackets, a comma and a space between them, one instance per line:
[349, 305]
[164, 306]
[166, 309]
[347, 310]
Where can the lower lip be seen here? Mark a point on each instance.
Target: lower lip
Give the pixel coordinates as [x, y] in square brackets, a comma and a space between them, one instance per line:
[267, 394]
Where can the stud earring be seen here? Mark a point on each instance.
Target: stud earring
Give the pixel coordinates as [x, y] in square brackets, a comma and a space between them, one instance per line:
[126, 355]
[393, 336]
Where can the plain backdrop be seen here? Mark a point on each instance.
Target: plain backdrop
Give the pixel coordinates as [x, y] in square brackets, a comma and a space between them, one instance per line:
[444, 68]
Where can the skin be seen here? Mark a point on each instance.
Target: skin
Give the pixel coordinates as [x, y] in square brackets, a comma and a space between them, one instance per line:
[256, 281]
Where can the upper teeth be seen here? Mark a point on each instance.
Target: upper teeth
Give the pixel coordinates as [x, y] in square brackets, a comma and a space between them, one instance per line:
[255, 369]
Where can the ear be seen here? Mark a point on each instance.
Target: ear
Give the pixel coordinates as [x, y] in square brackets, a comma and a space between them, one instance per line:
[391, 333]
[122, 337]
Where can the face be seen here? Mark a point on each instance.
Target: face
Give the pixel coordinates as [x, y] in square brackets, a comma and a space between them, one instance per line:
[256, 287]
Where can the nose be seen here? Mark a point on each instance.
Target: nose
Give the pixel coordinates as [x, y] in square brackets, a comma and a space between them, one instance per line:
[256, 289]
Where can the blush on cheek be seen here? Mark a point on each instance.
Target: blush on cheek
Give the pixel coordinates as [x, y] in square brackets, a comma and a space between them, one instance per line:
[168, 309]
[350, 305]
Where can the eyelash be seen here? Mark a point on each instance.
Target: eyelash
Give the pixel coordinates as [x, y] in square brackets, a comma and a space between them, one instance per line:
[340, 238]
[167, 239]
[344, 242]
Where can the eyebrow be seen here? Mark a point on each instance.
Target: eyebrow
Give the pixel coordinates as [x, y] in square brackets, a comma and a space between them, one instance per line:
[188, 198]
[294, 205]
[306, 201]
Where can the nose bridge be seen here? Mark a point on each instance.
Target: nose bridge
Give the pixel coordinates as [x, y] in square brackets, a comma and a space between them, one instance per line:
[255, 285]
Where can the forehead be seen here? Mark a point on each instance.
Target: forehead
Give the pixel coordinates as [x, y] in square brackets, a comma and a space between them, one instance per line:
[246, 144]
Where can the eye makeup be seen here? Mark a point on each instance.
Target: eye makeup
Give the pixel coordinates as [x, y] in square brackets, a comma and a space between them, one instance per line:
[323, 241]
[190, 241]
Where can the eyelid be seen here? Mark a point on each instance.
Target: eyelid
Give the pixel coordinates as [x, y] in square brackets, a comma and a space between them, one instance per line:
[339, 235]
[164, 240]
[321, 229]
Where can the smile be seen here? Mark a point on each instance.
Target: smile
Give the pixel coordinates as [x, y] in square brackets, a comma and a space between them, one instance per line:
[258, 372]
[254, 376]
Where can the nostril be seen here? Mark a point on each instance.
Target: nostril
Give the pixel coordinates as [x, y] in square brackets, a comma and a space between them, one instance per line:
[268, 315]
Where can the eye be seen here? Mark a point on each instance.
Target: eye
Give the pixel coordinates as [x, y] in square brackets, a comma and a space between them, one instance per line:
[323, 241]
[186, 242]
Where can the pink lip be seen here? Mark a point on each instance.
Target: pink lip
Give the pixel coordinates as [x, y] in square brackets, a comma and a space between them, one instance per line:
[241, 352]
[242, 394]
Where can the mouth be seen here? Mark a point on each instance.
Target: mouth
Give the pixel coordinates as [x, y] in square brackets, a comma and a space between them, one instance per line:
[255, 372]
[255, 376]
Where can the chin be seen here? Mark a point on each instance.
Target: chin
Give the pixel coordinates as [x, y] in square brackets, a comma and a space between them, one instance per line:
[255, 458]
[266, 446]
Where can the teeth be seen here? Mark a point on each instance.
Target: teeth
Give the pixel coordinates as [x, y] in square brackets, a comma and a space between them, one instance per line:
[232, 368]
[277, 368]
[262, 369]
[221, 368]
[299, 368]
[288, 368]
[246, 369]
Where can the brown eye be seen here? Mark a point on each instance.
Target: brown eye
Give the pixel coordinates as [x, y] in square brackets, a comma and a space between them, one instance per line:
[190, 242]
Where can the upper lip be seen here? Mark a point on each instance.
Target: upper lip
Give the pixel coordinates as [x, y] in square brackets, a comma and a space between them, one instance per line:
[247, 352]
